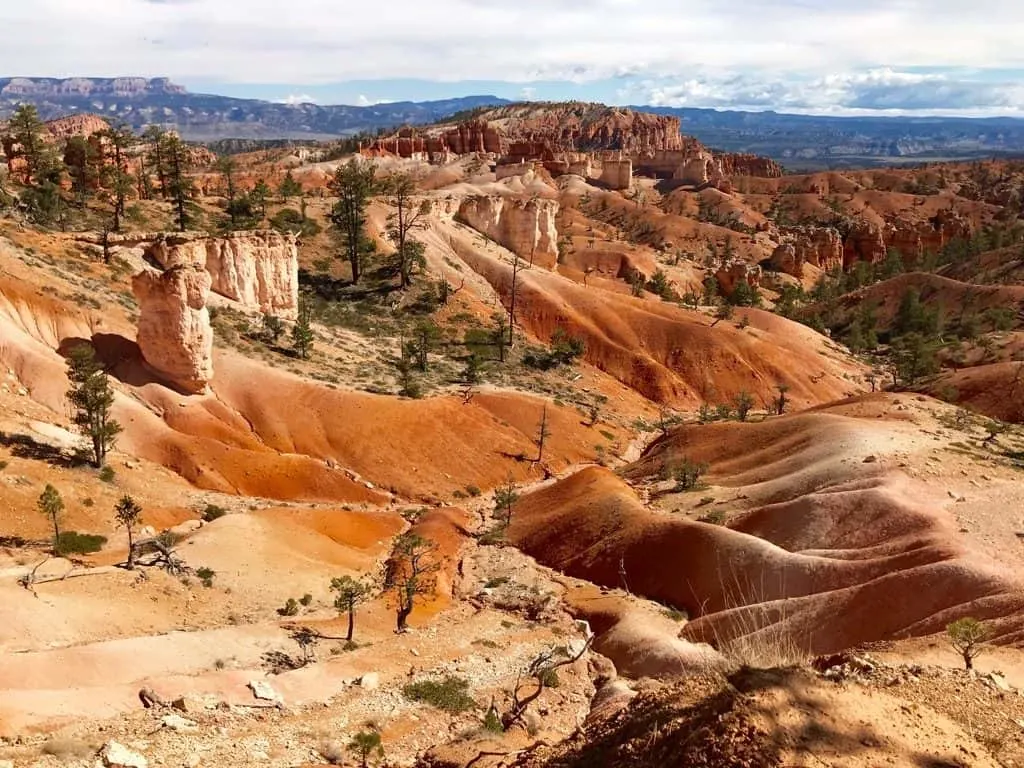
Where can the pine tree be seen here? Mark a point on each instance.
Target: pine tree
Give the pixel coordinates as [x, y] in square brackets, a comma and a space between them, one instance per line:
[302, 331]
[351, 592]
[91, 397]
[259, 195]
[354, 184]
[83, 161]
[157, 138]
[116, 177]
[400, 188]
[51, 504]
[128, 513]
[27, 136]
[289, 187]
[179, 188]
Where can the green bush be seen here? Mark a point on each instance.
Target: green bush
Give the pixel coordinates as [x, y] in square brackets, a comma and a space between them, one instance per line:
[205, 575]
[74, 543]
[213, 512]
[450, 694]
[291, 608]
[107, 474]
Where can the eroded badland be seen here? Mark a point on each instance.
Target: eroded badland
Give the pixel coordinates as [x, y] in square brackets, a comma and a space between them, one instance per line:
[661, 456]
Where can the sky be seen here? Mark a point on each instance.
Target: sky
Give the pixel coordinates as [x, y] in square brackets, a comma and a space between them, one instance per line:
[803, 56]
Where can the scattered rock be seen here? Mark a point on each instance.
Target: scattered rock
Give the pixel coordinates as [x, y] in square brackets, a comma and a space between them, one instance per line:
[178, 723]
[370, 681]
[117, 755]
[870, 459]
[999, 682]
[262, 690]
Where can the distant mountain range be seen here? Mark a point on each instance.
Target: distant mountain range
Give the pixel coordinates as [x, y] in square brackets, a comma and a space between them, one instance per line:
[799, 142]
[204, 117]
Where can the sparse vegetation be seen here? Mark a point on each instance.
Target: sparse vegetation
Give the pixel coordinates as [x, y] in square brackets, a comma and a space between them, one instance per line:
[450, 694]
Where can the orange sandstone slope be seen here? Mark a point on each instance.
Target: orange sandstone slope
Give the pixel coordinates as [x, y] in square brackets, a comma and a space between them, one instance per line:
[263, 432]
[670, 354]
[830, 558]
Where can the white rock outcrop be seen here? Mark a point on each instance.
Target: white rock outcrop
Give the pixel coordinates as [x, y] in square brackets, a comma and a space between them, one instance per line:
[259, 269]
[524, 226]
[174, 332]
[117, 755]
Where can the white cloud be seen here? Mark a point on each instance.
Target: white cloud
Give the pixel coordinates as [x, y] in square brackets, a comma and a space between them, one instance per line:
[778, 47]
[298, 98]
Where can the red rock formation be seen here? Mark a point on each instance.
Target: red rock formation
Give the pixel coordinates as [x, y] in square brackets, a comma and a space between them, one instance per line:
[821, 247]
[732, 273]
[865, 242]
[749, 165]
[76, 125]
[474, 136]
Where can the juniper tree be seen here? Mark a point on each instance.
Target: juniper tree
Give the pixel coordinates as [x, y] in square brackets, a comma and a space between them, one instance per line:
[92, 398]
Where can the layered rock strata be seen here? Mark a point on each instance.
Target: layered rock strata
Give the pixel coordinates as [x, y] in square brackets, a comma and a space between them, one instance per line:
[174, 332]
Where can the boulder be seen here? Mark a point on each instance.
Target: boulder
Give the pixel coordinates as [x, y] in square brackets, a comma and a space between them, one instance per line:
[115, 755]
[370, 681]
[262, 690]
[178, 723]
[174, 333]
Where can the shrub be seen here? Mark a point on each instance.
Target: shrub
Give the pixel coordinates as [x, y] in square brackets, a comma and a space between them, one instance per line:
[290, 608]
[675, 614]
[687, 474]
[107, 474]
[74, 543]
[472, 490]
[717, 517]
[3, 466]
[205, 575]
[88, 502]
[306, 600]
[496, 582]
[450, 694]
[492, 723]
[213, 512]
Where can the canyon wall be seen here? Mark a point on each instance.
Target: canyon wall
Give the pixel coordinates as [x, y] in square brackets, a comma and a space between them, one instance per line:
[525, 227]
[174, 332]
[259, 270]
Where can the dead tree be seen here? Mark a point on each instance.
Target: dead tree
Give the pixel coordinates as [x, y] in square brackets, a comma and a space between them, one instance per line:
[538, 676]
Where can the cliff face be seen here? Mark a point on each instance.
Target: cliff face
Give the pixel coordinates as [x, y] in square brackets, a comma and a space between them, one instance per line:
[525, 227]
[259, 270]
[749, 165]
[76, 125]
[821, 247]
[174, 325]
